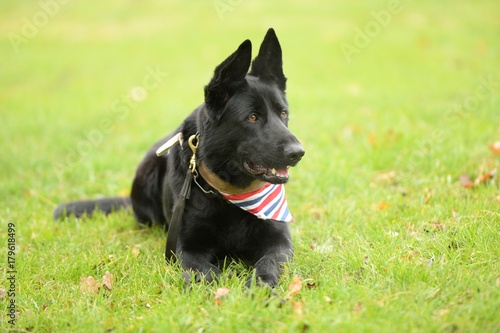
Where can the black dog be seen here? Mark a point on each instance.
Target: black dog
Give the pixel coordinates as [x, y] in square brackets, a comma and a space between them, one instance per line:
[219, 188]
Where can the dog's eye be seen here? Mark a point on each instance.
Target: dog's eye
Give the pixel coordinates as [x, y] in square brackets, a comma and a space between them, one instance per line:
[252, 118]
[284, 114]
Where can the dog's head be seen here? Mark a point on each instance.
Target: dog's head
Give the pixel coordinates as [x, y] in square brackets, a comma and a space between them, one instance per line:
[244, 124]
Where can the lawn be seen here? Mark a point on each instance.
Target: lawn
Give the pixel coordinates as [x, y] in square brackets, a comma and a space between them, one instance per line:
[396, 202]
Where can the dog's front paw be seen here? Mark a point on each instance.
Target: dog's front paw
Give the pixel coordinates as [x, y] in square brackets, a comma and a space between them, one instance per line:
[191, 276]
[263, 280]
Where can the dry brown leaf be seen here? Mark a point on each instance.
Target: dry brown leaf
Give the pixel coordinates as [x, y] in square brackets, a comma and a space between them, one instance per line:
[89, 285]
[219, 294]
[495, 148]
[466, 182]
[443, 312]
[434, 294]
[107, 280]
[358, 307]
[411, 255]
[383, 205]
[297, 307]
[295, 286]
[427, 196]
[385, 179]
[439, 226]
[135, 251]
[481, 179]
[318, 212]
[392, 233]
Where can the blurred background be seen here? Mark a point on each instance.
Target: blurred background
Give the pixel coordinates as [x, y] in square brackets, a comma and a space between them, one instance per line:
[87, 87]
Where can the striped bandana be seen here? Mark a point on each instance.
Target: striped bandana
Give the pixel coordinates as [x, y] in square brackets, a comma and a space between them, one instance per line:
[267, 203]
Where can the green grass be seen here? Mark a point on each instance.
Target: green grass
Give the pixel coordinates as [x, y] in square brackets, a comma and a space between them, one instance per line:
[387, 239]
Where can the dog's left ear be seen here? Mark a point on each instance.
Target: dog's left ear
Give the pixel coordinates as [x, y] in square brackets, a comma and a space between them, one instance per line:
[228, 77]
[268, 65]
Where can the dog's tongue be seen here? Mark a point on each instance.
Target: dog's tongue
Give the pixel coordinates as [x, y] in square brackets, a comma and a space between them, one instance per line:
[282, 172]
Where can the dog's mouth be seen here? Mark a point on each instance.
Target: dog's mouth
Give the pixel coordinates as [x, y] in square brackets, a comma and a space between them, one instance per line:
[272, 175]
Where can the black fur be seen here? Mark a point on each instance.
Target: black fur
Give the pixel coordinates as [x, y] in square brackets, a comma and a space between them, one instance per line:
[243, 134]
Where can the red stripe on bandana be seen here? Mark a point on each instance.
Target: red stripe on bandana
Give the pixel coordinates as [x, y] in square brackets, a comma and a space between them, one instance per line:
[266, 200]
[267, 203]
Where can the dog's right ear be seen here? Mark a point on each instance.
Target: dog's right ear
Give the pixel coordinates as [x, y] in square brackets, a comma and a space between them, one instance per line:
[228, 77]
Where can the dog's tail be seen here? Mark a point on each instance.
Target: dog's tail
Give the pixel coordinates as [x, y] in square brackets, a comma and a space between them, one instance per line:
[87, 207]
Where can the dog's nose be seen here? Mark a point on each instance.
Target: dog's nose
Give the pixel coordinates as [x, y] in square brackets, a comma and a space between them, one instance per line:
[294, 152]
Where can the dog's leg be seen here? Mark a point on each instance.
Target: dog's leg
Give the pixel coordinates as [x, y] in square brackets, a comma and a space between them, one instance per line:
[268, 267]
[198, 265]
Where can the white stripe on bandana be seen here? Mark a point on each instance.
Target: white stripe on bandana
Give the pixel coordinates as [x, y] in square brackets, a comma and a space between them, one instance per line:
[267, 203]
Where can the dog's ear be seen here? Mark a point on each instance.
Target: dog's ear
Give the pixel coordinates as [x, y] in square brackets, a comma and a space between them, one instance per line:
[229, 76]
[268, 65]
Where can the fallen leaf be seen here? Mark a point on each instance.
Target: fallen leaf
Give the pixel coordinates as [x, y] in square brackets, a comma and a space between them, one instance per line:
[498, 198]
[324, 248]
[135, 251]
[430, 261]
[318, 212]
[427, 196]
[295, 286]
[393, 233]
[443, 312]
[204, 312]
[466, 182]
[436, 226]
[433, 294]
[481, 179]
[219, 294]
[358, 307]
[107, 280]
[327, 299]
[495, 148]
[297, 307]
[383, 205]
[89, 285]
[385, 179]
[411, 255]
